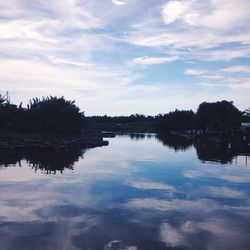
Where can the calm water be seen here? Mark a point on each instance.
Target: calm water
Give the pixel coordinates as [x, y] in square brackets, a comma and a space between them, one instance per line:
[148, 192]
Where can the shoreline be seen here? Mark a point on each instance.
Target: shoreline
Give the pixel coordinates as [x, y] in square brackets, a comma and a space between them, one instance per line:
[88, 139]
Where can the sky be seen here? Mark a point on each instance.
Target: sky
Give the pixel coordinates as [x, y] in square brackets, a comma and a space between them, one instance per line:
[120, 57]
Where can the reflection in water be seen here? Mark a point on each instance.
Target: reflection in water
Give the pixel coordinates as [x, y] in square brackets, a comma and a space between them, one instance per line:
[134, 194]
[8, 158]
[205, 150]
[140, 136]
[217, 152]
[48, 162]
[178, 143]
[137, 136]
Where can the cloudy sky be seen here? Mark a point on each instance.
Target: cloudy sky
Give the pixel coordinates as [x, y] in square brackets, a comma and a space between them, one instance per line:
[126, 56]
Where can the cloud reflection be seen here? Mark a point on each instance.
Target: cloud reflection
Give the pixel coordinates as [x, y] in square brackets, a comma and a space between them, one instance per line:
[150, 185]
[203, 205]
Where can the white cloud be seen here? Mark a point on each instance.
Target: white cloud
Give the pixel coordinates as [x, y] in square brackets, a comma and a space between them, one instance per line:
[235, 77]
[219, 14]
[195, 72]
[236, 69]
[154, 60]
[224, 54]
[174, 10]
[119, 2]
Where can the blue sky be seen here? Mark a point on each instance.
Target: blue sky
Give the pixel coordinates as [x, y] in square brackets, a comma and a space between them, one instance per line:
[126, 56]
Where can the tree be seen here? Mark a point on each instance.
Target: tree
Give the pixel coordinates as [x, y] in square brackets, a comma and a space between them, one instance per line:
[10, 114]
[246, 115]
[54, 115]
[218, 116]
[176, 120]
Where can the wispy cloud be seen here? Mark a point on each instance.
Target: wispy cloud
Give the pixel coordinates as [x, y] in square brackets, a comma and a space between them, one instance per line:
[234, 77]
[195, 72]
[236, 69]
[154, 60]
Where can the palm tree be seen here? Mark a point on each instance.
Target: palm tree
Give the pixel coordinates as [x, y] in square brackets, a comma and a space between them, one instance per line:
[54, 115]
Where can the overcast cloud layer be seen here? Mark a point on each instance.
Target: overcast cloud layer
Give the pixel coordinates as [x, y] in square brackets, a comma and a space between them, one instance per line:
[126, 56]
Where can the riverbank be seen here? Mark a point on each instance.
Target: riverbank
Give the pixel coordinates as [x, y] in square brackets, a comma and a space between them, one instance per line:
[86, 139]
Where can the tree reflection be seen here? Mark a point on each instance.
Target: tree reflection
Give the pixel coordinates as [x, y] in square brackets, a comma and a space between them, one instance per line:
[140, 136]
[212, 151]
[178, 143]
[49, 162]
[137, 136]
[206, 149]
[8, 158]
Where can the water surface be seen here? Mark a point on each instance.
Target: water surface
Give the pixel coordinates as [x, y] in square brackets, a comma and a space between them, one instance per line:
[149, 192]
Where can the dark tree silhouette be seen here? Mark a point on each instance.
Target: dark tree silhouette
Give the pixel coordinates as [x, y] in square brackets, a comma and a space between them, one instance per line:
[218, 116]
[54, 115]
[10, 114]
[176, 120]
[246, 115]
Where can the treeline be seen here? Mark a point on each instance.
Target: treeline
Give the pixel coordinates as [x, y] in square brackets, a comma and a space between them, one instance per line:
[221, 116]
[50, 115]
[59, 116]
[133, 123]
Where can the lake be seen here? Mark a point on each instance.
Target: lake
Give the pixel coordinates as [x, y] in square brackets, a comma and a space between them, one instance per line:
[149, 192]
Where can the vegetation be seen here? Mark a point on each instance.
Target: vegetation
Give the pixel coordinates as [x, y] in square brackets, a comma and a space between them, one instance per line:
[177, 120]
[54, 115]
[218, 116]
[133, 123]
[246, 115]
[51, 115]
